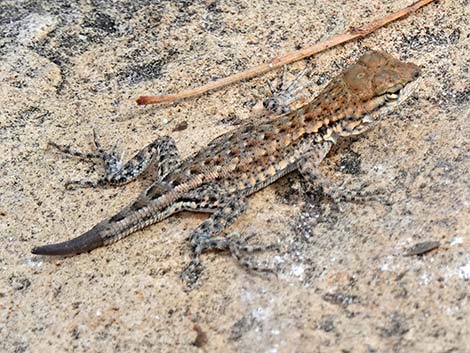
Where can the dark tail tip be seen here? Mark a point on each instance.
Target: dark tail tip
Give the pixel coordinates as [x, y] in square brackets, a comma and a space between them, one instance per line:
[85, 242]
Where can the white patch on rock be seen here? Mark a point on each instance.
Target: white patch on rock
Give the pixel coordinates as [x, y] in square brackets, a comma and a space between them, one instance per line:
[388, 266]
[259, 314]
[298, 271]
[35, 28]
[425, 279]
[464, 272]
[456, 241]
[34, 263]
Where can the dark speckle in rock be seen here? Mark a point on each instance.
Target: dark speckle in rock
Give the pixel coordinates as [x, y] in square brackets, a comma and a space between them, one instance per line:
[341, 299]
[201, 337]
[327, 324]
[21, 347]
[61, 46]
[429, 39]
[242, 326]
[150, 70]
[100, 21]
[75, 333]
[397, 326]
[350, 163]
[455, 36]
[181, 126]
[422, 248]
[231, 119]
[19, 282]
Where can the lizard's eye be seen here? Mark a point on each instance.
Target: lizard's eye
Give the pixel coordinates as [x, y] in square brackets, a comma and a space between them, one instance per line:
[355, 78]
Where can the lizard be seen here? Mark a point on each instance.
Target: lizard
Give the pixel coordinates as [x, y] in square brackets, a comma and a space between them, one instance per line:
[219, 178]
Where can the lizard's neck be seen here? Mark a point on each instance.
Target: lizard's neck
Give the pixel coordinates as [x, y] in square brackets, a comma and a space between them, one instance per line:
[337, 111]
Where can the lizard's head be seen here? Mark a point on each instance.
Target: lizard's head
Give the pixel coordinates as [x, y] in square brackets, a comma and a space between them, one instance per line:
[381, 81]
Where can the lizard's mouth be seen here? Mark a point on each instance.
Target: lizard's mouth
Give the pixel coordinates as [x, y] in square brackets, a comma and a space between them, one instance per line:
[394, 93]
[391, 98]
[400, 92]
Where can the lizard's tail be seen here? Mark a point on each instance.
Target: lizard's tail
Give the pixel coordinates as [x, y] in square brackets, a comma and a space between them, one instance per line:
[130, 219]
[85, 242]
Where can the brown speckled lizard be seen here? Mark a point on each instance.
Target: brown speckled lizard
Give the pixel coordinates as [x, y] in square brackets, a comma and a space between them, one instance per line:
[219, 177]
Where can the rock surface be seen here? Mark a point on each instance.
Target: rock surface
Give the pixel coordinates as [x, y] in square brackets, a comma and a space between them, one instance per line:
[344, 282]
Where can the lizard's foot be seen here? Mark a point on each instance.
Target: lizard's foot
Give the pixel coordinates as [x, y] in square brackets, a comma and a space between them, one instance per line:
[111, 159]
[285, 93]
[192, 272]
[161, 153]
[241, 250]
[238, 248]
[342, 193]
[319, 186]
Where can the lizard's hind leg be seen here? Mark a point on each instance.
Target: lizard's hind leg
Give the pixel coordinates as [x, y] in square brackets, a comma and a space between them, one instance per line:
[162, 154]
[203, 239]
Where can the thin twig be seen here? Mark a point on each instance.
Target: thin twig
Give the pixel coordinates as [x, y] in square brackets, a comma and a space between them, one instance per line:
[289, 58]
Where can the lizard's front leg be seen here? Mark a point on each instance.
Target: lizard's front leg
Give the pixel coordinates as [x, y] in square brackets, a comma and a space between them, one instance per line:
[162, 153]
[285, 93]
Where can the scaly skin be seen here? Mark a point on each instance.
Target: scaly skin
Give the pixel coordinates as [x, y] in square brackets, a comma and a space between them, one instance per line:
[219, 177]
